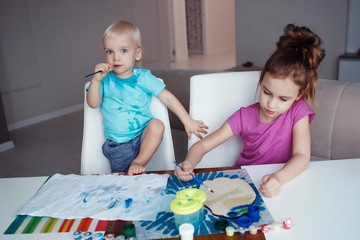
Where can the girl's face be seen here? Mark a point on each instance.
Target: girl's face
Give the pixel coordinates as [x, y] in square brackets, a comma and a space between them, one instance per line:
[121, 51]
[276, 97]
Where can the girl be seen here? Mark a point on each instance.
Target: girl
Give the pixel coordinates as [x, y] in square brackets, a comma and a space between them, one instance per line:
[276, 129]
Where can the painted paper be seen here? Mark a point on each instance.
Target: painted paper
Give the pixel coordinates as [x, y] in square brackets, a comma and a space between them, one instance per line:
[104, 197]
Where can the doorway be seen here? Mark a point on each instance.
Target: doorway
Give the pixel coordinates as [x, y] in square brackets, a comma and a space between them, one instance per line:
[194, 27]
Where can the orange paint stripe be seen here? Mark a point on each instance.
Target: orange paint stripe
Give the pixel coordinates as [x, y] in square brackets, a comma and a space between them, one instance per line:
[101, 226]
[84, 225]
[66, 225]
[49, 225]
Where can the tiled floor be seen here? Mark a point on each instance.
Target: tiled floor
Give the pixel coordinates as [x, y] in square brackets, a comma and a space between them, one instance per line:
[54, 146]
[216, 61]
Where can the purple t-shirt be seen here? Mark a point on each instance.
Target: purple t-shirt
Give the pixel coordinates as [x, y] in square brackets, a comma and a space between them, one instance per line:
[266, 143]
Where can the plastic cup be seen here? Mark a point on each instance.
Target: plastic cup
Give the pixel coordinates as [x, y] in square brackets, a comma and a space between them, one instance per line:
[186, 231]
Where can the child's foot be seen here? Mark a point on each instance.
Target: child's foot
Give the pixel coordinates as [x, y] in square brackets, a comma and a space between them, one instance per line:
[135, 169]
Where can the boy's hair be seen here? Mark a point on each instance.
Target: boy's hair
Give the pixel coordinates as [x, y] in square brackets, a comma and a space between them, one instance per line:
[298, 55]
[121, 27]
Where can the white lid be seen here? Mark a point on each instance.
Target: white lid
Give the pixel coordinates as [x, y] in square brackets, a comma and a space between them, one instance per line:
[186, 229]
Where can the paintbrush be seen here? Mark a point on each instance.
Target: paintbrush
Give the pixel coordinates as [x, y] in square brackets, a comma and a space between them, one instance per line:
[195, 178]
[93, 73]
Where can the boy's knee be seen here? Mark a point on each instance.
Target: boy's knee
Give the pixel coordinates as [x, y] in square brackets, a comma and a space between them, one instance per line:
[157, 125]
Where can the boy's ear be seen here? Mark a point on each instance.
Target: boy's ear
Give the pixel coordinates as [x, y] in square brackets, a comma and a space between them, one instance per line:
[138, 54]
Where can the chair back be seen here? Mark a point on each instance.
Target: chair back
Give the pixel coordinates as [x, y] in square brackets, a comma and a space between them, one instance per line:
[93, 160]
[215, 97]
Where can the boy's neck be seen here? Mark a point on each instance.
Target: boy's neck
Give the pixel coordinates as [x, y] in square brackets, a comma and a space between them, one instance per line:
[125, 75]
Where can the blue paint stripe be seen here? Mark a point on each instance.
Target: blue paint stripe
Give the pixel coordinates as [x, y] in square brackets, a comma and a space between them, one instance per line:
[15, 224]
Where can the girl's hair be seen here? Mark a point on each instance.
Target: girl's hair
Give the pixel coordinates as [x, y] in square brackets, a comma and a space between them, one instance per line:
[125, 27]
[298, 54]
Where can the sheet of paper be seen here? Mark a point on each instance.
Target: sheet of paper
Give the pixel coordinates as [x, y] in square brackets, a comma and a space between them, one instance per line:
[105, 197]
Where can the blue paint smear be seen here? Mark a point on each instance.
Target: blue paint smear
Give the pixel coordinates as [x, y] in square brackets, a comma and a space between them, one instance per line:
[128, 202]
[165, 221]
[84, 200]
[113, 202]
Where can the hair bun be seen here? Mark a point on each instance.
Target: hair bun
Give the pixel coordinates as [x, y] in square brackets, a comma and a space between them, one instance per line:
[304, 42]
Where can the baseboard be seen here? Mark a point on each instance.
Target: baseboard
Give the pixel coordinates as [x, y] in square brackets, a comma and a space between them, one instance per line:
[44, 117]
[6, 146]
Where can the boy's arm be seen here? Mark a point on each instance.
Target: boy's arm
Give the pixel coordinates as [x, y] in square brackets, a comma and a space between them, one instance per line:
[200, 148]
[93, 97]
[191, 126]
[296, 165]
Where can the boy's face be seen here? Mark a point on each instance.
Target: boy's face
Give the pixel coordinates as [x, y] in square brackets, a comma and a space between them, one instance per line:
[276, 97]
[121, 51]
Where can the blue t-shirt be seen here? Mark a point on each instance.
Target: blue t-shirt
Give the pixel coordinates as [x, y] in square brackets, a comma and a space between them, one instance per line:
[125, 103]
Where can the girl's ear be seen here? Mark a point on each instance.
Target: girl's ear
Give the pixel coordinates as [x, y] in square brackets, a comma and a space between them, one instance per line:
[138, 54]
[300, 95]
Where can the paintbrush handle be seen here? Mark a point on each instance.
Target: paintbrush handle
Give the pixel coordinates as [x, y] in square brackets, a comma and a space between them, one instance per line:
[92, 73]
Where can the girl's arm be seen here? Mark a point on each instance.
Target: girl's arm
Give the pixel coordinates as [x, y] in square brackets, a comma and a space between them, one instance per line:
[93, 97]
[296, 165]
[199, 149]
[191, 126]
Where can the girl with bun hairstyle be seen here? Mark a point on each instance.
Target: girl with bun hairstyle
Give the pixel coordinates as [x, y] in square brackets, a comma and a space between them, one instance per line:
[277, 128]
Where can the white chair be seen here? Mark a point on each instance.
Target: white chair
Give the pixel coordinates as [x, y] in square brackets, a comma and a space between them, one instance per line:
[92, 159]
[215, 97]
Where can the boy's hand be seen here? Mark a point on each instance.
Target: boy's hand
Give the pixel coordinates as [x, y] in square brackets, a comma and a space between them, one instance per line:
[184, 174]
[270, 186]
[196, 127]
[104, 68]
[135, 169]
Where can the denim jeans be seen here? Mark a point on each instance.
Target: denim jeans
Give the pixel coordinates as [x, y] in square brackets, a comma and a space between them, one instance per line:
[121, 155]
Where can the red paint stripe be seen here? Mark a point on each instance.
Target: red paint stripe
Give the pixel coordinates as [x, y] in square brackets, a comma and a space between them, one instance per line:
[84, 225]
[66, 225]
[101, 226]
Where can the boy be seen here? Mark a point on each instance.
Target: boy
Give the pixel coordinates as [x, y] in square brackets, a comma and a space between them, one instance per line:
[124, 94]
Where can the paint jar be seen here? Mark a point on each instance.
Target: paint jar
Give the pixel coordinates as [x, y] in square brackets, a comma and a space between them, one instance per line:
[186, 231]
[99, 236]
[254, 213]
[253, 229]
[77, 235]
[230, 231]
[188, 207]
[129, 230]
[244, 221]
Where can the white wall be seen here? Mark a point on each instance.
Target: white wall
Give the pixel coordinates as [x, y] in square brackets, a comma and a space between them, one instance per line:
[260, 23]
[47, 47]
[219, 24]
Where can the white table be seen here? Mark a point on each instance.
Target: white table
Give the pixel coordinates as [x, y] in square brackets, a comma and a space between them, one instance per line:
[15, 192]
[323, 201]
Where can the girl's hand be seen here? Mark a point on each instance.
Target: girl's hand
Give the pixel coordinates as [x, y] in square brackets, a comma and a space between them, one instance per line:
[270, 186]
[104, 68]
[184, 174]
[196, 127]
[135, 169]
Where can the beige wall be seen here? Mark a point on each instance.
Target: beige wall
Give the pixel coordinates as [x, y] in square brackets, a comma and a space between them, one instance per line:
[219, 25]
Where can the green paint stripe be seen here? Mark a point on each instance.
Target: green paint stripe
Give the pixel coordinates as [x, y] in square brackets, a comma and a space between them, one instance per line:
[34, 222]
[15, 224]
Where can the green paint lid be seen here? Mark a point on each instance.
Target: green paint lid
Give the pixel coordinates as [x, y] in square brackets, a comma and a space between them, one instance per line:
[192, 193]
